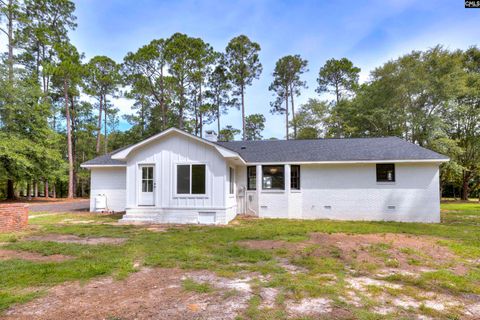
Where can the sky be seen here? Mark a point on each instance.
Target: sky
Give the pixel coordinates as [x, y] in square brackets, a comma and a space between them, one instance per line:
[368, 32]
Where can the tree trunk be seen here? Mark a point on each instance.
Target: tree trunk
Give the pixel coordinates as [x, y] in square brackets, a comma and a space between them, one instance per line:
[243, 114]
[195, 111]
[73, 121]
[54, 191]
[465, 186]
[465, 190]
[99, 127]
[29, 191]
[293, 115]
[35, 189]
[10, 183]
[286, 112]
[82, 188]
[337, 92]
[10, 189]
[69, 140]
[10, 40]
[180, 107]
[218, 118]
[162, 101]
[200, 101]
[142, 117]
[10, 62]
[105, 138]
[46, 188]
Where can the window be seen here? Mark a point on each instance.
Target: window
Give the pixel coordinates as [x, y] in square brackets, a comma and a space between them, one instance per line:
[147, 179]
[232, 179]
[385, 172]
[183, 179]
[295, 177]
[273, 177]
[252, 178]
[191, 179]
[198, 179]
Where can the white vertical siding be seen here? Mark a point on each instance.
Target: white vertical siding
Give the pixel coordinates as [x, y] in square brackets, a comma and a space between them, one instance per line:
[165, 154]
[110, 182]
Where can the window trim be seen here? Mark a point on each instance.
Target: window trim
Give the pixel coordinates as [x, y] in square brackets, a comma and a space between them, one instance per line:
[273, 189]
[383, 181]
[299, 178]
[249, 187]
[175, 182]
[148, 179]
[231, 180]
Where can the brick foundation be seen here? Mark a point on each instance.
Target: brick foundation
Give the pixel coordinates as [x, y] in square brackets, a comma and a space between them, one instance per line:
[13, 217]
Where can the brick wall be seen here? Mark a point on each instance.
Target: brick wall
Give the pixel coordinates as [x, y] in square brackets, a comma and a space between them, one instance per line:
[13, 217]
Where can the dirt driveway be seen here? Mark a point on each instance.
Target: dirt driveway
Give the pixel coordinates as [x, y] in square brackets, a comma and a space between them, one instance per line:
[76, 205]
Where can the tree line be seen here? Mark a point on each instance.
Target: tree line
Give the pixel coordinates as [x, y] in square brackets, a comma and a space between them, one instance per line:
[57, 109]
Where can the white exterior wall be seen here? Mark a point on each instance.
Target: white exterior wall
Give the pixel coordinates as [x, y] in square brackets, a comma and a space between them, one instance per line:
[328, 191]
[351, 192]
[110, 182]
[165, 154]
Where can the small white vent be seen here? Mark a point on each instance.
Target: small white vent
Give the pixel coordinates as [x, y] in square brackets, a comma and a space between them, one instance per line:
[207, 217]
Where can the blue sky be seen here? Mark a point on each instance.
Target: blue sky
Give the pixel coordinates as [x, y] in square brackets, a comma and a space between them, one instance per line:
[367, 32]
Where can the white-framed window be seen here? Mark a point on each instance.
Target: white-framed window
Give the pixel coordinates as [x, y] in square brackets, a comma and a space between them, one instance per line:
[385, 172]
[273, 177]
[295, 177]
[231, 180]
[147, 178]
[252, 178]
[191, 179]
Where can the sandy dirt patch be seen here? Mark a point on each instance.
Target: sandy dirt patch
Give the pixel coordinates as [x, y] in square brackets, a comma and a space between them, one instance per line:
[309, 306]
[75, 239]
[148, 294]
[405, 252]
[31, 256]
[390, 303]
[380, 249]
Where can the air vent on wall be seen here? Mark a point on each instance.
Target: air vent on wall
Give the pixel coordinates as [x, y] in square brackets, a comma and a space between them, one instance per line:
[391, 207]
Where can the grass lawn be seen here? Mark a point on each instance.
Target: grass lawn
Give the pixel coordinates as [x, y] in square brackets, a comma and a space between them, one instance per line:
[359, 269]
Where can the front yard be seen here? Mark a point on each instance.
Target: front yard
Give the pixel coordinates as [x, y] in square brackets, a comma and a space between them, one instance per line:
[86, 266]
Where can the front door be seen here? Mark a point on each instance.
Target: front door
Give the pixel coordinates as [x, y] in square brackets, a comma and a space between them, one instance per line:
[147, 185]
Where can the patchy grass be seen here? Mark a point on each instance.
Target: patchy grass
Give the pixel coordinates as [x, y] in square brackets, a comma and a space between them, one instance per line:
[192, 285]
[324, 270]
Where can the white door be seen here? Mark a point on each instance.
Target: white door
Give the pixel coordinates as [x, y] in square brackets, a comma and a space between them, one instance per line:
[147, 185]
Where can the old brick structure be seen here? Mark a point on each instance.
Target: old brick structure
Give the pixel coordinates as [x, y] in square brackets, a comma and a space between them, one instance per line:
[13, 217]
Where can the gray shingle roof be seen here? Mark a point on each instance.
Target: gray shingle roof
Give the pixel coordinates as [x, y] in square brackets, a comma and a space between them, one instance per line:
[349, 149]
[104, 160]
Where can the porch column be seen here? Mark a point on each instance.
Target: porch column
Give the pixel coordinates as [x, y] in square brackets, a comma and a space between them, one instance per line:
[259, 189]
[287, 188]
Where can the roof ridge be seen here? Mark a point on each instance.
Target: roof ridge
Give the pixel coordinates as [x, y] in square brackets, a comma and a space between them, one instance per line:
[318, 139]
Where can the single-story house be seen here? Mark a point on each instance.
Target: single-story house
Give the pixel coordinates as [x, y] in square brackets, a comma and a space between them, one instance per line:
[176, 177]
